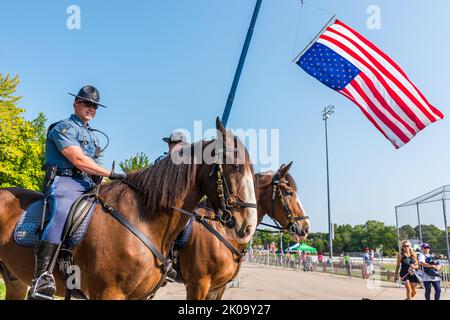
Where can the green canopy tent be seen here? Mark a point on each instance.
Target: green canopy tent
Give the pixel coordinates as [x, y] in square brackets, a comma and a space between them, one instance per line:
[301, 247]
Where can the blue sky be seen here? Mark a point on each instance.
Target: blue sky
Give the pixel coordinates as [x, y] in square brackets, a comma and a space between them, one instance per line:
[161, 65]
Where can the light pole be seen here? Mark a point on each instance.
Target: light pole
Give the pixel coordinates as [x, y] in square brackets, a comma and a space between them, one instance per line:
[326, 113]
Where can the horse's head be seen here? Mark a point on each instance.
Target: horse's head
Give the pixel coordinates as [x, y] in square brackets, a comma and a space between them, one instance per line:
[228, 184]
[285, 205]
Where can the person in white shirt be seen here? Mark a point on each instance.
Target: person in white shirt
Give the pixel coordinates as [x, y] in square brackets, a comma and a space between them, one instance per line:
[430, 272]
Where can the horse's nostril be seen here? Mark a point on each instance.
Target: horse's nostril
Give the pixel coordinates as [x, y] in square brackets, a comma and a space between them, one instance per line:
[306, 230]
[248, 230]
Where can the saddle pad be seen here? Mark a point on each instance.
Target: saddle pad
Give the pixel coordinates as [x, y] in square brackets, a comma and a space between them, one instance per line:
[184, 236]
[25, 233]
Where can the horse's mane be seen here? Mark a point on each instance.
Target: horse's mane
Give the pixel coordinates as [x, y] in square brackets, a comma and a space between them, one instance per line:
[165, 183]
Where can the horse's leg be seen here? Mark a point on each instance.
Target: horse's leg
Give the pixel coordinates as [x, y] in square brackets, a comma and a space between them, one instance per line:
[198, 290]
[15, 290]
[216, 294]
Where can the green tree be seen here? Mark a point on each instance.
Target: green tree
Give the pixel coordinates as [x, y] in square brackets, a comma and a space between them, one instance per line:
[137, 162]
[318, 240]
[287, 240]
[435, 237]
[264, 238]
[342, 238]
[22, 142]
[375, 235]
[407, 232]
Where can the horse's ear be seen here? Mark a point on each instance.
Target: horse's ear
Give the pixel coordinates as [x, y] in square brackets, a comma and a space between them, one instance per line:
[220, 127]
[282, 172]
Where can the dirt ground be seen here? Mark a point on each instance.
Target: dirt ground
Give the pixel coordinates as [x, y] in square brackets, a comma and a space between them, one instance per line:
[256, 282]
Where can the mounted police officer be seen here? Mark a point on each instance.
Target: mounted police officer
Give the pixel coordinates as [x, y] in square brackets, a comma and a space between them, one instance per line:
[176, 141]
[71, 163]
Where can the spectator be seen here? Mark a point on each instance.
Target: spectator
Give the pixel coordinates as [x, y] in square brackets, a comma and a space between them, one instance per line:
[303, 259]
[430, 272]
[320, 257]
[320, 260]
[346, 259]
[367, 264]
[308, 263]
[341, 261]
[288, 258]
[407, 259]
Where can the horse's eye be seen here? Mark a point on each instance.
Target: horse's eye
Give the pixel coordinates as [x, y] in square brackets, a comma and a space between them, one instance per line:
[289, 193]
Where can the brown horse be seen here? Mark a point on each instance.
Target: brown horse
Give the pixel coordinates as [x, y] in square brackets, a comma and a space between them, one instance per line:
[114, 264]
[207, 265]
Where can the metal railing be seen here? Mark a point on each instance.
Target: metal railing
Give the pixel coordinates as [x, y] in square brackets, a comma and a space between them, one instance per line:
[383, 268]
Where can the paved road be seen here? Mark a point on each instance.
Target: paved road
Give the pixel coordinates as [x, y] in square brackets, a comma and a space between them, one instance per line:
[259, 282]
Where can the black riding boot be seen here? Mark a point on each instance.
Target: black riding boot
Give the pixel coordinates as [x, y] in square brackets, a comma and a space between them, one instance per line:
[43, 286]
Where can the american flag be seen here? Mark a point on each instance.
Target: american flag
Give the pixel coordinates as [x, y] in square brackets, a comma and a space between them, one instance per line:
[345, 61]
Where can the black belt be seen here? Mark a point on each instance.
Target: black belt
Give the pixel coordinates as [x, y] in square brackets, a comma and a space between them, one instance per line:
[74, 173]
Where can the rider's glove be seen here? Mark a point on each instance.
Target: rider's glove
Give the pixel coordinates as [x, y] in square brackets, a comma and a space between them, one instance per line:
[117, 176]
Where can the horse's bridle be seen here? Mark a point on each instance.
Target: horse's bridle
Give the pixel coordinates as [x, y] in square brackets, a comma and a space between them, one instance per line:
[226, 201]
[276, 190]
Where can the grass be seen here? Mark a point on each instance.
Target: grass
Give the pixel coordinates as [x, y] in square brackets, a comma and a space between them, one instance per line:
[2, 290]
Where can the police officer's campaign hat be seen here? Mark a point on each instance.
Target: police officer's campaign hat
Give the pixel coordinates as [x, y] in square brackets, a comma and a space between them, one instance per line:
[175, 137]
[90, 94]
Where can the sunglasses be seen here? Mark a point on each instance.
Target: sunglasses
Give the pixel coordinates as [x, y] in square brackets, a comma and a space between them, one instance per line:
[89, 105]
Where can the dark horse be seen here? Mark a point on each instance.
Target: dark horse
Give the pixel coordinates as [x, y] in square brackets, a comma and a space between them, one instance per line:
[114, 264]
[207, 265]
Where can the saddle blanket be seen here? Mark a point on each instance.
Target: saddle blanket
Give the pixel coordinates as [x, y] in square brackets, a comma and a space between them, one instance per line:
[26, 231]
[184, 236]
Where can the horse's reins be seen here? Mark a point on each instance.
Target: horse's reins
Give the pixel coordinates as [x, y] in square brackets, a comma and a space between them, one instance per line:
[276, 190]
[124, 221]
[201, 219]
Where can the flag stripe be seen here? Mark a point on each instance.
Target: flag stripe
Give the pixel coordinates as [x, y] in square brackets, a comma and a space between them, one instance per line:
[373, 52]
[383, 118]
[394, 78]
[409, 109]
[391, 62]
[369, 115]
[384, 104]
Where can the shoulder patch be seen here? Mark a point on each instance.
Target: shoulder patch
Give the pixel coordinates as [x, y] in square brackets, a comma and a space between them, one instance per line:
[63, 127]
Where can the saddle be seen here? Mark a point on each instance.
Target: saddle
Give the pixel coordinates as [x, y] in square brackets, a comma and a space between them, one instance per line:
[27, 228]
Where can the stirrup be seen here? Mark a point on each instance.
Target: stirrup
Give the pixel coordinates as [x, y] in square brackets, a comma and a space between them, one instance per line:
[171, 275]
[37, 295]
